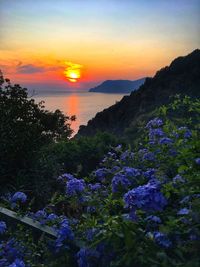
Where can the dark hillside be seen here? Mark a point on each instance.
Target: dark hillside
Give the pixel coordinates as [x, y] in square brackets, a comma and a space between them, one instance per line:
[182, 76]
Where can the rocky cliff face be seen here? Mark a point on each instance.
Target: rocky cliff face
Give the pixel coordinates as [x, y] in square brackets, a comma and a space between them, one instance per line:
[182, 76]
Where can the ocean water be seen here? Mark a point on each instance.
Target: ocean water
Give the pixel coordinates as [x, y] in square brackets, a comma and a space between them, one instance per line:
[84, 105]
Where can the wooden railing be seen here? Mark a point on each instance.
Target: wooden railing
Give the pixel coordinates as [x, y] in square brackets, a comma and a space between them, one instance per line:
[27, 221]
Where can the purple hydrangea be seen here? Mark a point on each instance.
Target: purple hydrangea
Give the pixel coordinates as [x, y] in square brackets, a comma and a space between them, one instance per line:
[162, 240]
[2, 227]
[120, 181]
[75, 186]
[146, 197]
[154, 123]
[19, 196]
[183, 211]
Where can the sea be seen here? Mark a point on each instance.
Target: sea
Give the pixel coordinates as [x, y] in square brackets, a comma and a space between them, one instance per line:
[84, 105]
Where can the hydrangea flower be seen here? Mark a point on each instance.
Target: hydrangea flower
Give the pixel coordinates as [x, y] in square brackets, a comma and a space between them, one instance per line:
[52, 217]
[178, 179]
[154, 219]
[162, 239]
[3, 227]
[17, 263]
[149, 174]
[19, 196]
[65, 177]
[127, 155]
[131, 172]
[86, 257]
[165, 141]
[75, 186]
[197, 161]
[40, 216]
[64, 232]
[120, 181]
[101, 174]
[183, 211]
[156, 122]
[148, 156]
[186, 132]
[94, 187]
[146, 197]
[154, 133]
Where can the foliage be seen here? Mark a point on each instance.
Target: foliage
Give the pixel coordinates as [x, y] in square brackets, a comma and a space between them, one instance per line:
[24, 127]
[139, 208]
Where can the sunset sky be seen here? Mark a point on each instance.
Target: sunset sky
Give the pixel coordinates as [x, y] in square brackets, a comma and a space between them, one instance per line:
[79, 43]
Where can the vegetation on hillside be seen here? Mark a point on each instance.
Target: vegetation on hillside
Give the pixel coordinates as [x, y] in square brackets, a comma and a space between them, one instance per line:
[140, 207]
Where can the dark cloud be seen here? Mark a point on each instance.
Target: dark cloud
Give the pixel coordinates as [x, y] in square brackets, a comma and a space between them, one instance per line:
[29, 68]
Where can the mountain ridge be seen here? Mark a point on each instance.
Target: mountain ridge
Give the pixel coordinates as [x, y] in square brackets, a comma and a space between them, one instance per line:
[118, 86]
[182, 76]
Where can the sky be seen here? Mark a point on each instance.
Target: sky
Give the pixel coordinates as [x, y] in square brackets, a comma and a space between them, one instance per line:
[76, 44]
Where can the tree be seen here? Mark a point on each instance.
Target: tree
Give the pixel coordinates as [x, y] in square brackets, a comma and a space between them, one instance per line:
[25, 126]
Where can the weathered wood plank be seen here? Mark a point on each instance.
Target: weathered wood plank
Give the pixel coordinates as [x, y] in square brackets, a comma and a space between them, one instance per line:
[28, 221]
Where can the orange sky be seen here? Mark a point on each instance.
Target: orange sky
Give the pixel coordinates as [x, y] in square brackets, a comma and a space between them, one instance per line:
[109, 40]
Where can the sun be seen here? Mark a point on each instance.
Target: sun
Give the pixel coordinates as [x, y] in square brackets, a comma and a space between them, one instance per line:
[72, 72]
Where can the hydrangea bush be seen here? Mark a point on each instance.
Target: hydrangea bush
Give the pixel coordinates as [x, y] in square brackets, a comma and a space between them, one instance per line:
[139, 208]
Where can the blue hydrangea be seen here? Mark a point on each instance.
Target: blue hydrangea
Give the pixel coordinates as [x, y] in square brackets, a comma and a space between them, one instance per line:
[154, 219]
[63, 233]
[127, 155]
[94, 187]
[162, 240]
[149, 174]
[12, 250]
[65, 177]
[2, 227]
[183, 211]
[90, 233]
[131, 172]
[101, 174]
[75, 186]
[17, 263]
[178, 179]
[52, 217]
[165, 141]
[86, 257]
[154, 123]
[19, 196]
[40, 216]
[155, 133]
[197, 160]
[186, 132]
[120, 181]
[147, 197]
[148, 156]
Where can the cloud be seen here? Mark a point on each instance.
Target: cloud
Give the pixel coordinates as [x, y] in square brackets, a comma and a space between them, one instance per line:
[29, 68]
